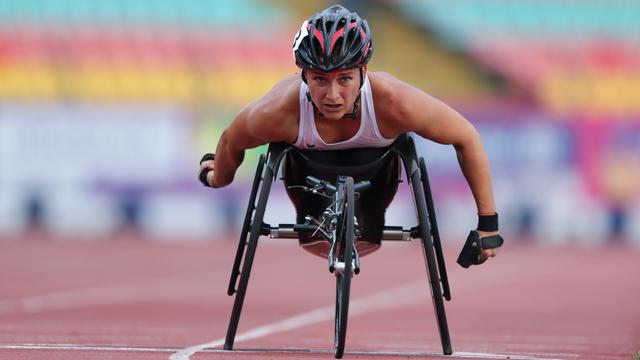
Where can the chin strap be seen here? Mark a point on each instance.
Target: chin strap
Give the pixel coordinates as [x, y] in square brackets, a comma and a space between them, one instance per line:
[356, 103]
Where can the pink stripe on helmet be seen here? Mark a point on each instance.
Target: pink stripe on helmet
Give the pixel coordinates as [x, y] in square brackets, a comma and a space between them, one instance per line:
[320, 38]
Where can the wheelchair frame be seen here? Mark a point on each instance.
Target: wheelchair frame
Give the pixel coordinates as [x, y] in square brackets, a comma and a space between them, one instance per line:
[427, 229]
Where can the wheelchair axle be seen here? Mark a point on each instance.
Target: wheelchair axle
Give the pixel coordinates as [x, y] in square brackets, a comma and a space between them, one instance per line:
[290, 231]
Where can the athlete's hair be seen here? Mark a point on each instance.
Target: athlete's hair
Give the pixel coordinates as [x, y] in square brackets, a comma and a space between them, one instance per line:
[333, 39]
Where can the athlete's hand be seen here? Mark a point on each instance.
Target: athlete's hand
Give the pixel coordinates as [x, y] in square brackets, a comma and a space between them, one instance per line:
[205, 172]
[487, 253]
[479, 246]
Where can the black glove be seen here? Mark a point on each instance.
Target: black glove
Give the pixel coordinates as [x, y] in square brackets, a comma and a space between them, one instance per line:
[470, 254]
[205, 172]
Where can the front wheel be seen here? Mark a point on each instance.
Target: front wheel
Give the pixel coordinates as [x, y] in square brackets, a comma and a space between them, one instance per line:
[345, 255]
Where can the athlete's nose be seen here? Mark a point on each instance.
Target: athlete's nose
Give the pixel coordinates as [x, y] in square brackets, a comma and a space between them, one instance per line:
[333, 92]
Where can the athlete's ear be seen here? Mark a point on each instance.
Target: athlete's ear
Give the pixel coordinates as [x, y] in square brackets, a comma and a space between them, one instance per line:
[364, 70]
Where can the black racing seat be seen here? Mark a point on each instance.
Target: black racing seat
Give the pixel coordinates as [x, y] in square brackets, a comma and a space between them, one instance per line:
[357, 163]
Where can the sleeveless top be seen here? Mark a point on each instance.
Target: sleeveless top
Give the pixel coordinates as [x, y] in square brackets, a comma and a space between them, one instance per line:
[367, 135]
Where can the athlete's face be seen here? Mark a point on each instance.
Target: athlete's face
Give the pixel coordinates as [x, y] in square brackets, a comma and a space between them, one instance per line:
[335, 92]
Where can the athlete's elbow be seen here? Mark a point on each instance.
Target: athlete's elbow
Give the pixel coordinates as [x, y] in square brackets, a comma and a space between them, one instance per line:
[227, 146]
[223, 141]
[468, 136]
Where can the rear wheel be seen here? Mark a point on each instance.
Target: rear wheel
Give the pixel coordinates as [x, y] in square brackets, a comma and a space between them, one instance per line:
[252, 243]
[246, 226]
[345, 256]
[431, 264]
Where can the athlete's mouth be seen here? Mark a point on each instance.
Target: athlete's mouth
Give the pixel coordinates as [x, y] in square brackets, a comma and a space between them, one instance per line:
[333, 106]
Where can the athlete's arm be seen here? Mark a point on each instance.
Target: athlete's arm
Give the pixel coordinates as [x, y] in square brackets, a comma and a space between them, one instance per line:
[231, 147]
[413, 110]
[271, 118]
[445, 126]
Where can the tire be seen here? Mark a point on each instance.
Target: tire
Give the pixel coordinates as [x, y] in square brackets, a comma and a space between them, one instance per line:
[442, 269]
[343, 279]
[252, 243]
[431, 263]
[246, 226]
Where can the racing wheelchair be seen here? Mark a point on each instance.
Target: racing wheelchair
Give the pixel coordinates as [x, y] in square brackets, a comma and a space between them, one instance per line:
[339, 188]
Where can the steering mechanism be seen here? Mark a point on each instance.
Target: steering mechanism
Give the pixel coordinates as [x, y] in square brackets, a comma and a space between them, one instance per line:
[327, 226]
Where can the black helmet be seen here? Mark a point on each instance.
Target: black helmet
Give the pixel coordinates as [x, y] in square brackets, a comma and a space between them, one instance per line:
[333, 39]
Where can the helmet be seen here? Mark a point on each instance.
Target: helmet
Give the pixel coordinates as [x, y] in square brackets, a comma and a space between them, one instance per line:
[333, 39]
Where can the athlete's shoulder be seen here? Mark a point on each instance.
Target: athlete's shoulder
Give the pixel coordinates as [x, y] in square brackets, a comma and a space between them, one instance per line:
[389, 86]
[288, 84]
[274, 116]
[399, 106]
[391, 96]
[282, 99]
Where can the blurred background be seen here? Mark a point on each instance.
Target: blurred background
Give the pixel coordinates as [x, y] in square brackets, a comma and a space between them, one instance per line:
[107, 106]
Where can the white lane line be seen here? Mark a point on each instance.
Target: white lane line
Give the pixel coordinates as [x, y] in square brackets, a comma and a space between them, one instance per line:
[475, 355]
[385, 299]
[122, 293]
[391, 298]
[462, 355]
[81, 348]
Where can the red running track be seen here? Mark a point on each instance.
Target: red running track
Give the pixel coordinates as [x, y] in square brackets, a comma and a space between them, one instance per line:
[137, 299]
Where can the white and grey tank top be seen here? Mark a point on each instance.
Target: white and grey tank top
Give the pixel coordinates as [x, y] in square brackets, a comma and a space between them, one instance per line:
[368, 135]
